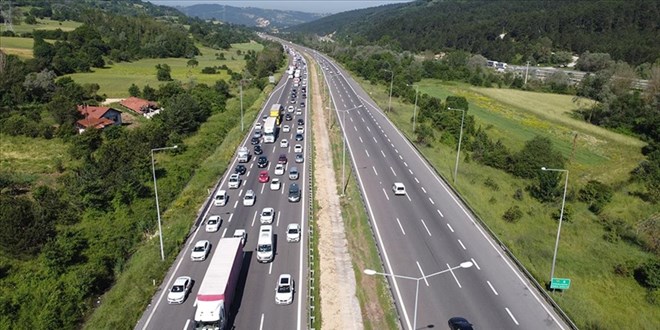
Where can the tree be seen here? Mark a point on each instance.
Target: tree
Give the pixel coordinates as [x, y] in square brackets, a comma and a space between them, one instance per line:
[536, 153]
[23, 232]
[596, 194]
[558, 82]
[593, 62]
[163, 72]
[134, 90]
[192, 63]
[149, 93]
[40, 85]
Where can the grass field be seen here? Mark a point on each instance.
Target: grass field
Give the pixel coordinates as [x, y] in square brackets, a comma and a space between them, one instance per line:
[116, 78]
[597, 299]
[22, 47]
[44, 24]
[33, 159]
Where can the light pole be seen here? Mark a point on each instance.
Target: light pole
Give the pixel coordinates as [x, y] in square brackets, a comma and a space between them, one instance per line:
[153, 171]
[389, 105]
[466, 264]
[561, 216]
[343, 156]
[415, 108]
[460, 138]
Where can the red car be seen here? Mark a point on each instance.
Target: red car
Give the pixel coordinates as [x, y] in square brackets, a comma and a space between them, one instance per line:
[263, 176]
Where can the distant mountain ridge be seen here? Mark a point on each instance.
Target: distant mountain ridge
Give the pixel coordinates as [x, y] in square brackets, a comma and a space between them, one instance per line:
[249, 16]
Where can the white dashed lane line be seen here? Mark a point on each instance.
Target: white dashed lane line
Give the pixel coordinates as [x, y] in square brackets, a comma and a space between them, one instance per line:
[461, 243]
[400, 226]
[392, 171]
[409, 170]
[382, 153]
[512, 317]
[431, 200]
[367, 151]
[416, 180]
[424, 190]
[427, 228]
[492, 288]
[385, 192]
[374, 167]
[450, 228]
[475, 263]
[440, 213]
[360, 139]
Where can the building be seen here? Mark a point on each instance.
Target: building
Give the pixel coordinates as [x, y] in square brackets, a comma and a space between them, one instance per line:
[141, 106]
[97, 117]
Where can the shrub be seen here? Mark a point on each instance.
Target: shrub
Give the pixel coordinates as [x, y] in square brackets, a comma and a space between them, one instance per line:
[568, 213]
[518, 195]
[490, 183]
[209, 70]
[596, 194]
[653, 297]
[648, 274]
[513, 214]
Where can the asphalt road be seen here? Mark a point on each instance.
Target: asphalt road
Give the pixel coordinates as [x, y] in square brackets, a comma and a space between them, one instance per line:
[254, 307]
[428, 233]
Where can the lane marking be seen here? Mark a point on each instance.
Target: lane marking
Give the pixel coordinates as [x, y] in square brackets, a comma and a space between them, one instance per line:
[223, 233]
[270, 269]
[235, 204]
[278, 219]
[360, 139]
[254, 218]
[385, 192]
[261, 325]
[367, 151]
[421, 271]
[262, 188]
[392, 144]
[186, 326]
[432, 202]
[416, 180]
[351, 118]
[381, 151]
[409, 170]
[404, 163]
[240, 193]
[400, 157]
[400, 226]
[355, 128]
[492, 288]
[450, 228]
[374, 139]
[512, 317]
[440, 213]
[475, 263]
[461, 243]
[410, 200]
[368, 129]
[392, 171]
[374, 167]
[427, 228]
[454, 275]
[424, 190]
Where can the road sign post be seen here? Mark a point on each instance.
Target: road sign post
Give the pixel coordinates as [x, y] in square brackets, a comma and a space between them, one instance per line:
[560, 283]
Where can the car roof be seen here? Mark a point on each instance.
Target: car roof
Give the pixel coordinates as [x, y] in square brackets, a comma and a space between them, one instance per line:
[202, 242]
[181, 279]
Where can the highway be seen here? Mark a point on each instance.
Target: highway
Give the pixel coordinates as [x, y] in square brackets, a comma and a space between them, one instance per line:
[428, 230]
[254, 307]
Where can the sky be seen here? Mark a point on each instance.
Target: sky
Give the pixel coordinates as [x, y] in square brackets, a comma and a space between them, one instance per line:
[310, 6]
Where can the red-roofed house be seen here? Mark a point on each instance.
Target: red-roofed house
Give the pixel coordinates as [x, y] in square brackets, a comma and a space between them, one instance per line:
[97, 117]
[141, 106]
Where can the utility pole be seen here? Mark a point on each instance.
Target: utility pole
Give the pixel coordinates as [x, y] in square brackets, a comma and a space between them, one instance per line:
[526, 73]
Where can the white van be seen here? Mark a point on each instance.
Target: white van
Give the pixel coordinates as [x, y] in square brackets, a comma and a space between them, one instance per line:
[220, 198]
[398, 188]
[265, 244]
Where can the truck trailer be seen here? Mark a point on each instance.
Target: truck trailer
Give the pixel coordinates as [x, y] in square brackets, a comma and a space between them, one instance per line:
[243, 155]
[218, 287]
[269, 130]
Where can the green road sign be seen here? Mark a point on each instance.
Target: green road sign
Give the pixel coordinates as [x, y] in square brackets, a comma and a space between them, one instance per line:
[560, 283]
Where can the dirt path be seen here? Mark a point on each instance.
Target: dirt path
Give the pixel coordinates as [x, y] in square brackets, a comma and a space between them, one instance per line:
[339, 305]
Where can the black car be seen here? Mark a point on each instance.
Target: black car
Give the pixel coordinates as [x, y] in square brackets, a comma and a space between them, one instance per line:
[301, 122]
[240, 169]
[258, 150]
[302, 104]
[288, 117]
[282, 159]
[299, 137]
[294, 193]
[262, 162]
[304, 96]
[304, 89]
[459, 323]
[254, 141]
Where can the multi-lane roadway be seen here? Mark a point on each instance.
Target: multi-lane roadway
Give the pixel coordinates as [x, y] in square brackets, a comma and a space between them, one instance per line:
[254, 307]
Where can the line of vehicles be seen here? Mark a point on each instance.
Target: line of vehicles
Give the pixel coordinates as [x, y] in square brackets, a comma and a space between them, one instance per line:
[217, 290]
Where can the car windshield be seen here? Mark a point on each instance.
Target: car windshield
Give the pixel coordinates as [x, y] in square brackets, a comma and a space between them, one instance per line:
[199, 248]
[284, 289]
[212, 221]
[293, 230]
[264, 248]
[177, 288]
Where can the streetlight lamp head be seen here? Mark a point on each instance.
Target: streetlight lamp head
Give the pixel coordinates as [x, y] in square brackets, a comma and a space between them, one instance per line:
[176, 146]
[543, 168]
[466, 264]
[370, 272]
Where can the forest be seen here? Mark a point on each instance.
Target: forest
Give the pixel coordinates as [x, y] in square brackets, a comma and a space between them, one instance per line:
[65, 241]
[508, 31]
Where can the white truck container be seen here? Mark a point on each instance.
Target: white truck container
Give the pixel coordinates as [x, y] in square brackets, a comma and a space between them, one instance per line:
[269, 130]
[243, 155]
[218, 287]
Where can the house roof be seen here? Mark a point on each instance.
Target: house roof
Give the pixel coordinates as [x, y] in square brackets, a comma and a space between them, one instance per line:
[92, 111]
[137, 104]
[95, 122]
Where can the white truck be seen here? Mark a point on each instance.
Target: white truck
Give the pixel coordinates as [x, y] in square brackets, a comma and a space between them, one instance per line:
[269, 130]
[218, 287]
[243, 155]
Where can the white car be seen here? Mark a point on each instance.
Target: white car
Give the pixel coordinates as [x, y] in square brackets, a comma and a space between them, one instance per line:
[298, 112]
[234, 181]
[300, 129]
[248, 199]
[297, 148]
[284, 290]
[293, 232]
[220, 198]
[290, 108]
[398, 188]
[257, 126]
[279, 169]
[286, 129]
[267, 215]
[240, 233]
[284, 143]
[213, 223]
[275, 184]
[179, 290]
[200, 251]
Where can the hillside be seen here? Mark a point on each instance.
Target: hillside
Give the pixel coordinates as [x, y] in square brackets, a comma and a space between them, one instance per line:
[263, 18]
[508, 31]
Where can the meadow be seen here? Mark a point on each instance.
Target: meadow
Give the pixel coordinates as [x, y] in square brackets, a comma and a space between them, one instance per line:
[21, 47]
[115, 78]
[43, 24]
[597, 299]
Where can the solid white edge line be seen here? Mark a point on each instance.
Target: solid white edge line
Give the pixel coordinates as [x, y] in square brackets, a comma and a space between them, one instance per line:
[425, 227]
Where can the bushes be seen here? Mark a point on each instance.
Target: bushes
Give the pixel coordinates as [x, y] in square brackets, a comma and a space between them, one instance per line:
[513, 214]
[648, 274]
[596, 194]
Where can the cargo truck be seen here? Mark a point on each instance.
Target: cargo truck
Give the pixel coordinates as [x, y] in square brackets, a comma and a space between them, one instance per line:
[276, 111]
[218, 287]
[270, 130]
